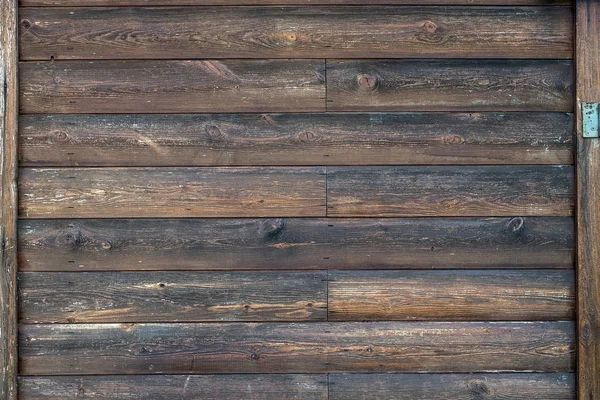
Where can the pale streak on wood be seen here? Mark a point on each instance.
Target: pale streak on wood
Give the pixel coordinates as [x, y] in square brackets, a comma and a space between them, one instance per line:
[8, 193]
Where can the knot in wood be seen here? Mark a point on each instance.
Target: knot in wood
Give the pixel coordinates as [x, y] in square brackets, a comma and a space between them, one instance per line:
[26, 24]
[214, 133]
[60, 136]
[271, 227]
[367, 81]
[516, 224]
[105, 244]
[454, 139]
[306, 137]
[430, 26]
[479, 388]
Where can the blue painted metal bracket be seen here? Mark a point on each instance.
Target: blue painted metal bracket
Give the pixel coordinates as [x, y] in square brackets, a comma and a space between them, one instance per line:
[590, 121]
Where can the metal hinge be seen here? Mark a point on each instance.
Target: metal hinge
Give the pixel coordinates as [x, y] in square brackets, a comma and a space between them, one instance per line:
[590, 119]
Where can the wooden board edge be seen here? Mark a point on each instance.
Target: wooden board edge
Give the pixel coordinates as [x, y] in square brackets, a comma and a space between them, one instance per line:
[8, 198]
[588, 203]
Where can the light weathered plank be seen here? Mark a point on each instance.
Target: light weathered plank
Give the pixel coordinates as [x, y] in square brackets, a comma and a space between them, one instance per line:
[9, 96]
[588, 210]
[171, 192]
[169, 387]
[296, 348]
[172, 86]
[227, 244]
[79, 297]
[452, 295]
[458, 85]
[296, 32]
[131, 3]
[516, 386]
[450, 191]
[295, 139]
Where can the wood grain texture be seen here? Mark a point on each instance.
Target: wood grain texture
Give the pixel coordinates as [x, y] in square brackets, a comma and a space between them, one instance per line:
[450, 191]
[588, 211]
[172, 86]
[78, 297]
[457, 85]
[497, 295]
[296, 32]
[296, 139]
[168, 387]
[171, 192]
[296, 348]
[9, 110]
[290, 243]
[517, 386]
[550, 386]
[131, 3]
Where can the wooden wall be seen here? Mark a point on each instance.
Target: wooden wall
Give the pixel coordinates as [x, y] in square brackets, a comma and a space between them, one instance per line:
[263, 199]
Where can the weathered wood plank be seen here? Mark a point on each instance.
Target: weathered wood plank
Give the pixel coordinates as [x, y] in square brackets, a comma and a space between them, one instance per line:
[78, 297]
[450, 191]
[205, 244]
[588, 210]
[172, 86]
[168, 387]
[9, 110]
[295, 139]
[296, 348]
[296, 32]
[131, 3]
[550, 386]
[451, 295]
[171, 192]
[458, 85]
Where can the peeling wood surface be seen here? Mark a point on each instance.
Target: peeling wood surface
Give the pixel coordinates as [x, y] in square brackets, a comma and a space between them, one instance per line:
[171, 192]
[172, 86]
[172, 297]
[295, 243]
[444, 85]
[75, 349]
[296, 139]
[450, 191]
[296, 32]
[9, 97]
[497, 295]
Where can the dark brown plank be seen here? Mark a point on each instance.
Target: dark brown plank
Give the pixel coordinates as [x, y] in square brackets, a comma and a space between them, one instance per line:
[9, 112]
[130, 3]
[171, 297]
[296, 139]
[169, 387]
[172, 86]
[201, 244]
[458, 85]
[497, 295]
[296, 32]
[171, 192]
[588, 207]
[296, 348]
[552, 386]
[450, 191]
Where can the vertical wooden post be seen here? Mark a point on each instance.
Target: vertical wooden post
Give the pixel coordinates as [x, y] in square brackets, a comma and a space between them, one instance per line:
[588, 161]
[8, 198]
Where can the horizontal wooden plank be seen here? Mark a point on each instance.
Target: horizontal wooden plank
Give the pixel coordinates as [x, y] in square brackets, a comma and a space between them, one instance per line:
[171, 192]
[296, 348]
[450, 191]
[295, 139]
[171, 296]
[497, 295]
[457, 85]
[131, 3]
[295, 32]
[516, 386]
[289, 243]
[172, 86]
[168, 387]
